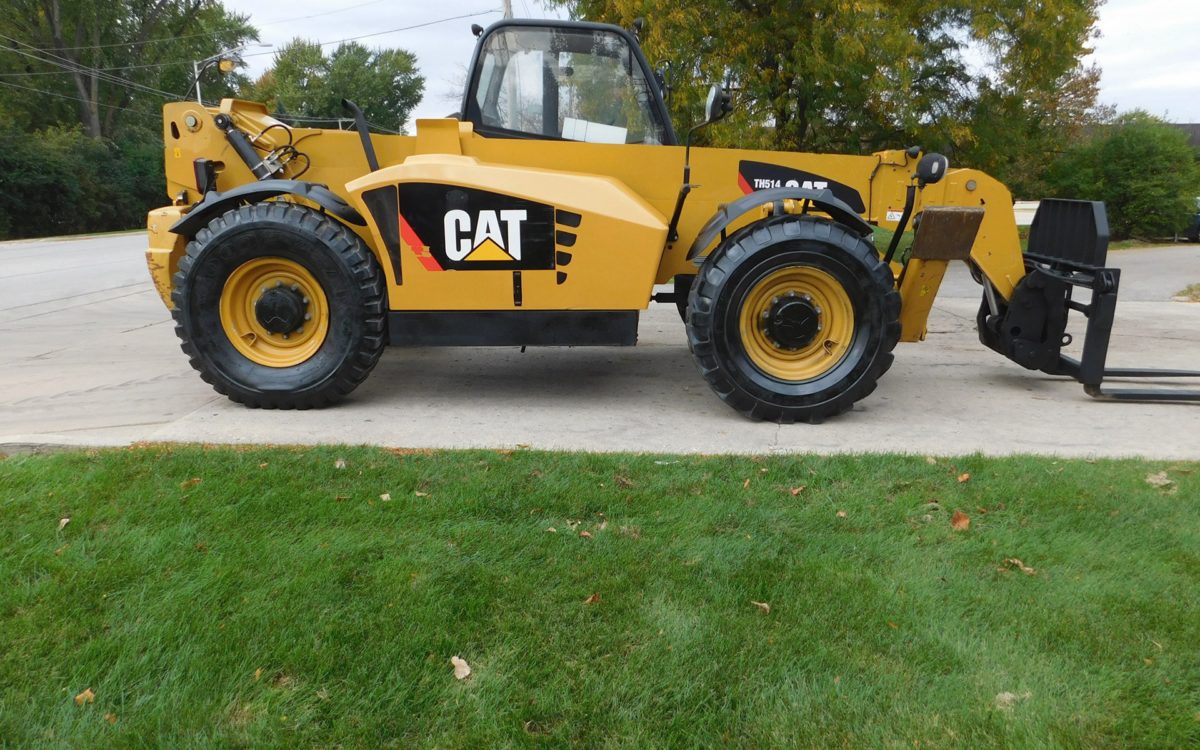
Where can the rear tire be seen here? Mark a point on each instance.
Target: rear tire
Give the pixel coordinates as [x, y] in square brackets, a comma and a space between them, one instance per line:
[793, 319]
[318, 342]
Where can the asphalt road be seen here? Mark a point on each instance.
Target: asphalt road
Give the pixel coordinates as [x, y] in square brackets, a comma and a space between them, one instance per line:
[88, 357]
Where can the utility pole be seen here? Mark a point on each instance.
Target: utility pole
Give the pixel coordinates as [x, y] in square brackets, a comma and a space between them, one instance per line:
[507, 8]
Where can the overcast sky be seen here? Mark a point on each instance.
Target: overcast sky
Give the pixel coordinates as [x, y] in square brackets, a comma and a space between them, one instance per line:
[1148, 49]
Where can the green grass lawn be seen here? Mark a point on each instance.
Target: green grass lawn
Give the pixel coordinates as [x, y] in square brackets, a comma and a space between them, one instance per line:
[267, 598]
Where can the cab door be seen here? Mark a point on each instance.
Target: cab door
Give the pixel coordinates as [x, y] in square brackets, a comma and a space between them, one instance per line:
[565, 81]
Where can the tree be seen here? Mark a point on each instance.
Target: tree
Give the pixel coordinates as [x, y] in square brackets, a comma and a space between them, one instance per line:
[304, 83]
[1141, 167]
[859, 76]
[103, 64]
[1017, 135]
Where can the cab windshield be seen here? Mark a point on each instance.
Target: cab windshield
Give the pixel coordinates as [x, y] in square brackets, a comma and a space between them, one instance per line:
[573, 84]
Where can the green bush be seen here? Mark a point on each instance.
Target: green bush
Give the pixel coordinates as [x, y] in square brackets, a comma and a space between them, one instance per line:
[1142, 168]
[59, 181]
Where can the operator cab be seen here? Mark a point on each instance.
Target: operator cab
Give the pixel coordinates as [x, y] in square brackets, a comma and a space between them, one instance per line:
[563, 80]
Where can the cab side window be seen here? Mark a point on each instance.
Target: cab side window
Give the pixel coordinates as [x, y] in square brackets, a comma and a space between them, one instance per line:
[571, 84]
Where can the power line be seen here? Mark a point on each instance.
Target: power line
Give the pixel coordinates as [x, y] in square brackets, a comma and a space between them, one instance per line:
[77, 99]
[69, 66]
[325, 13]
[391, 31]
[75, 67]
[265, 23]
[127, 44]
[104, 70]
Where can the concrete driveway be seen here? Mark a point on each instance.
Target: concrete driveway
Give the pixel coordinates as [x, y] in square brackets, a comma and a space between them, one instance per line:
[88, 357]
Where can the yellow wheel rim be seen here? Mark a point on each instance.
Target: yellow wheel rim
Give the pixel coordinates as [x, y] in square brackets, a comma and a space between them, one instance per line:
[835, 318]
[242, 290]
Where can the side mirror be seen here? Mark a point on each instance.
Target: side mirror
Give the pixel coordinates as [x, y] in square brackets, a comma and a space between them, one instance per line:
[931, 169]
[718, 104]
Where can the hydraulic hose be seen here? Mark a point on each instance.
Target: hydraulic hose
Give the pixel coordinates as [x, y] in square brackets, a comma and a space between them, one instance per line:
[910, 197]
[241, 145]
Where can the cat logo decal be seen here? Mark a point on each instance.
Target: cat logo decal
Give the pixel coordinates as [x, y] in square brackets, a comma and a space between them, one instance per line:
[496, 235]
[458, 228]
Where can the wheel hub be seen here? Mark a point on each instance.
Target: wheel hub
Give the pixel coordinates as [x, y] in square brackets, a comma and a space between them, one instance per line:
[792, 322]
[280, 309]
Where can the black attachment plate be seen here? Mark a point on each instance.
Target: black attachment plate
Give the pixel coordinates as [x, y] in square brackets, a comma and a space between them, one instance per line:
[1069, 230]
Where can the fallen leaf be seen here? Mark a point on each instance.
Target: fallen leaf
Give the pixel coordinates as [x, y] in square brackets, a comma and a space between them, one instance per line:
[1016, 563]
[960, 521]
[841, 514]
[764, 606]
[585, 534]
[263, 465]
[58, 552]
[87, 696]
[187, 484]
[63, 522]
[746, 484]
[623, 482]
[665, 463]
[1159, 479]
[763, 470]
[892, 625]
[593, 599]
[532, 727]
[552, 530]
[339, 463]
[385, 497]
[462, 670]
[931, 460]
[418, 493]
[965, 477]
[257, 674]
[603, 525]
[796, 490]
[110, 717]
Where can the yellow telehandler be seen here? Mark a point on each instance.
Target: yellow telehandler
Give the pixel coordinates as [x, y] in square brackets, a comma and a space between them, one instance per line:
[549, 208]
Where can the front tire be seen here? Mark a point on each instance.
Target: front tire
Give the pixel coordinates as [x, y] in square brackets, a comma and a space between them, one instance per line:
[279, 307]
[793, 319]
